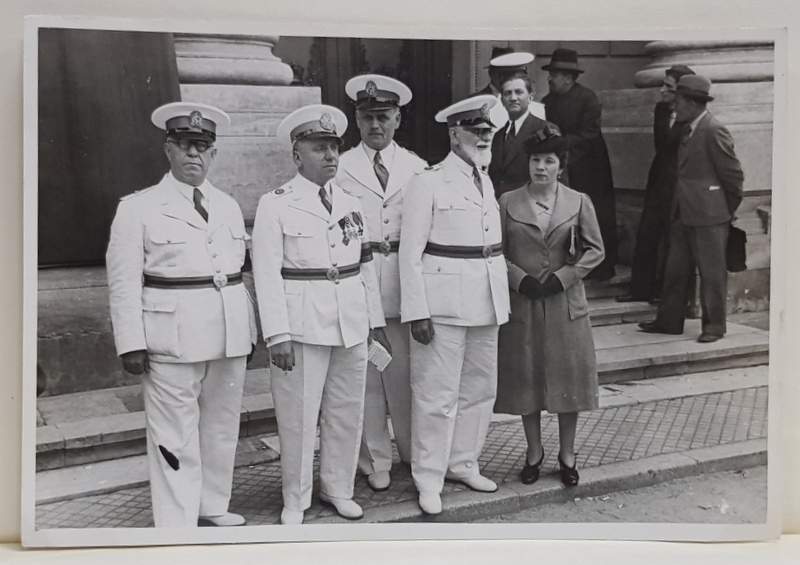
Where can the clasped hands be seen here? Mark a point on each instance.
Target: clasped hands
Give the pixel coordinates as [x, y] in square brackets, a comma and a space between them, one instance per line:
[533, 289]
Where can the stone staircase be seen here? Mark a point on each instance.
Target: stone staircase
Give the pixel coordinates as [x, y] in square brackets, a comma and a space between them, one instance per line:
[82, 428]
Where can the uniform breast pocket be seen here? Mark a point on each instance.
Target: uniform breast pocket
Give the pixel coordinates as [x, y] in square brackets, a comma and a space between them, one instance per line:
[451, 214]
[165, 247]
[161, 326]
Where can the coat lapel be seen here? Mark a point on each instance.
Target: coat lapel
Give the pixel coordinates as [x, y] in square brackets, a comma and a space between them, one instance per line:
[361, 170]
[306, 199]
[685, 150]
[399, 173]
[568, 203]
[218, 213]
[521, 208]
[176, 205]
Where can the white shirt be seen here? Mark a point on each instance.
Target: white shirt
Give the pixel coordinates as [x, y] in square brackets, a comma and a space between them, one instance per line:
[387, 154]
[518, 122]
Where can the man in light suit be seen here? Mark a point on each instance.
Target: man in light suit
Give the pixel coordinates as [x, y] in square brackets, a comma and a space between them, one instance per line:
[707, 193]
[319, 303]
[183, 320]
[454, 292]
[509, 167]
[376, 171]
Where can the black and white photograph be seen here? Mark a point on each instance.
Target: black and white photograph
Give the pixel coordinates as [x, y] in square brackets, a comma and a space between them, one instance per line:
[317, 287]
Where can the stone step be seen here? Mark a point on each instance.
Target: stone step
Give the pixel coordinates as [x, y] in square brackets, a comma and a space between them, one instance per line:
[108, 476]
[84, 428]
[607, 311]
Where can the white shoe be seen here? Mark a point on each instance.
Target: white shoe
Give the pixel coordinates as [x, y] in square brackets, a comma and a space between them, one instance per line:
[430, 502]
[379, 481]
[345, 507]
[477, 482]
[291, 517]
[224, 520]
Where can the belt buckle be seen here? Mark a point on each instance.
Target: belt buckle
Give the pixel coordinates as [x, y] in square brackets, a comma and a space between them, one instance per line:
[385, 247]
[487, 251]
[333, 274]
[220, 281]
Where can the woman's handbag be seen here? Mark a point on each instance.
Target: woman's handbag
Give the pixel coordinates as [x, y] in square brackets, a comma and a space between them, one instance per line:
[736, 252]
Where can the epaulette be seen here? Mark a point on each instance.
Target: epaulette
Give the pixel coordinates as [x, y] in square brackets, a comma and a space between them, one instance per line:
[137, 193]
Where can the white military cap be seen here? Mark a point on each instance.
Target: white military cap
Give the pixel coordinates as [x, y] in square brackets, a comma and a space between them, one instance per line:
[377, 92]
[517, 61]
[190, 118]
[473, 112]
[316, 120]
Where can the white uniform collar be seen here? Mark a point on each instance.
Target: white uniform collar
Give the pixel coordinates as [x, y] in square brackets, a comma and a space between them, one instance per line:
[387, 155]
[303, 183]
[187, 190]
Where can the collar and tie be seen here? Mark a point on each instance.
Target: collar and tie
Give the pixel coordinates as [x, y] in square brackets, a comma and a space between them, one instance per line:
[380, 170]
[197, 197]
[476, 178]
[686, 133]
[326, 201]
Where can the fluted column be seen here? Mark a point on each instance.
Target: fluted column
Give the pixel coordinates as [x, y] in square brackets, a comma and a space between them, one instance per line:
[241, 75]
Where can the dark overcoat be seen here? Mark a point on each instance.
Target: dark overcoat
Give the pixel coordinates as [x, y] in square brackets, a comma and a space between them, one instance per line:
[577, 113]
[546, 357]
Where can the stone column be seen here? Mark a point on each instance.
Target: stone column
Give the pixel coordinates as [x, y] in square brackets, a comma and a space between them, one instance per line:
[241, 75]
[742, 74]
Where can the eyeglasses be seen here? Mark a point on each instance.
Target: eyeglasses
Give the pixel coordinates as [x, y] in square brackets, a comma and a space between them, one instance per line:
[199, 144]
[478, 132]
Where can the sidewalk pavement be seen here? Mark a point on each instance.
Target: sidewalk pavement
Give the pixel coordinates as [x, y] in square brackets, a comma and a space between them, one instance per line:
[645, 432]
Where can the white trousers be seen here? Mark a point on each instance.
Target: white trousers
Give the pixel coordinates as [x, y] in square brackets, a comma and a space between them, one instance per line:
[192, 412]
[387, 393]
[453, 387]
[326, 386]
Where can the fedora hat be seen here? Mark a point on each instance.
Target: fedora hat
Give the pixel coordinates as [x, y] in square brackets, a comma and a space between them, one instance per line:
[563, 60]
[694, 86]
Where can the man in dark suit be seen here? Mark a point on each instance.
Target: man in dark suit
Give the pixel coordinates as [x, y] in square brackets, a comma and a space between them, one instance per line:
[576, 111]
[707, 193]
[509, 167]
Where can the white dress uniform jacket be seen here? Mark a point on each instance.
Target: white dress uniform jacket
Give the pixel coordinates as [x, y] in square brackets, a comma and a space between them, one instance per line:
[294, 230]
[443, 206]
[383, 210]
[158, 232]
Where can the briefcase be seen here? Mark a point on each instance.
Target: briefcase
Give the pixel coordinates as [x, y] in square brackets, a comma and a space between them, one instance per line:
[736, 252]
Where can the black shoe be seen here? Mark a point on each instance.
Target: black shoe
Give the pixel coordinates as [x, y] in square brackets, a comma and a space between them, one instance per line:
[708, 338]
[530, 473]
[569, 475]
[654, 328]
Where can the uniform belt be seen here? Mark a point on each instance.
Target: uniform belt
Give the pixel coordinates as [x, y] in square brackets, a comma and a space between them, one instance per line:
[330, 274]
[464, 251]
[385, 246]
[217, 281]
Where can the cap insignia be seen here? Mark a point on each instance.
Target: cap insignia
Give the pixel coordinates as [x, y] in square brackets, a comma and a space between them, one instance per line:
[372, 89]
[196, 119]
[485, 112]
[326, 122]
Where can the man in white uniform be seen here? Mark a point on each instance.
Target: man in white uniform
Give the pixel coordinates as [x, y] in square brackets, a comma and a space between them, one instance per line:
[376, 171]
[454, 292]
[319, 303]
[183, 320]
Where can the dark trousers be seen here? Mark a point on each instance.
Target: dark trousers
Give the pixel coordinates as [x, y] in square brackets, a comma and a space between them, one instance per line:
[689, 247]
[650, 255]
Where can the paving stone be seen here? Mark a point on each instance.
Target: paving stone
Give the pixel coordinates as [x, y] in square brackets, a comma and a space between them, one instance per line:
[80, 406]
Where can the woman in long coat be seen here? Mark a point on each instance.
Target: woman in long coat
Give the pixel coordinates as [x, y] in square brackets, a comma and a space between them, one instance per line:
[551, 240]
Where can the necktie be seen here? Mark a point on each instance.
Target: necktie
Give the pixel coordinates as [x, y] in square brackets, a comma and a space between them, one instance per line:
[511, 133]
[198, 204]
[476, 177]
[323, 195]
[380, 170]
[686, 134]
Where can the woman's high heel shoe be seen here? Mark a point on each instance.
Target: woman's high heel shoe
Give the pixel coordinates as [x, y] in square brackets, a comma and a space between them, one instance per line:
[569, 475]
[530, 473]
